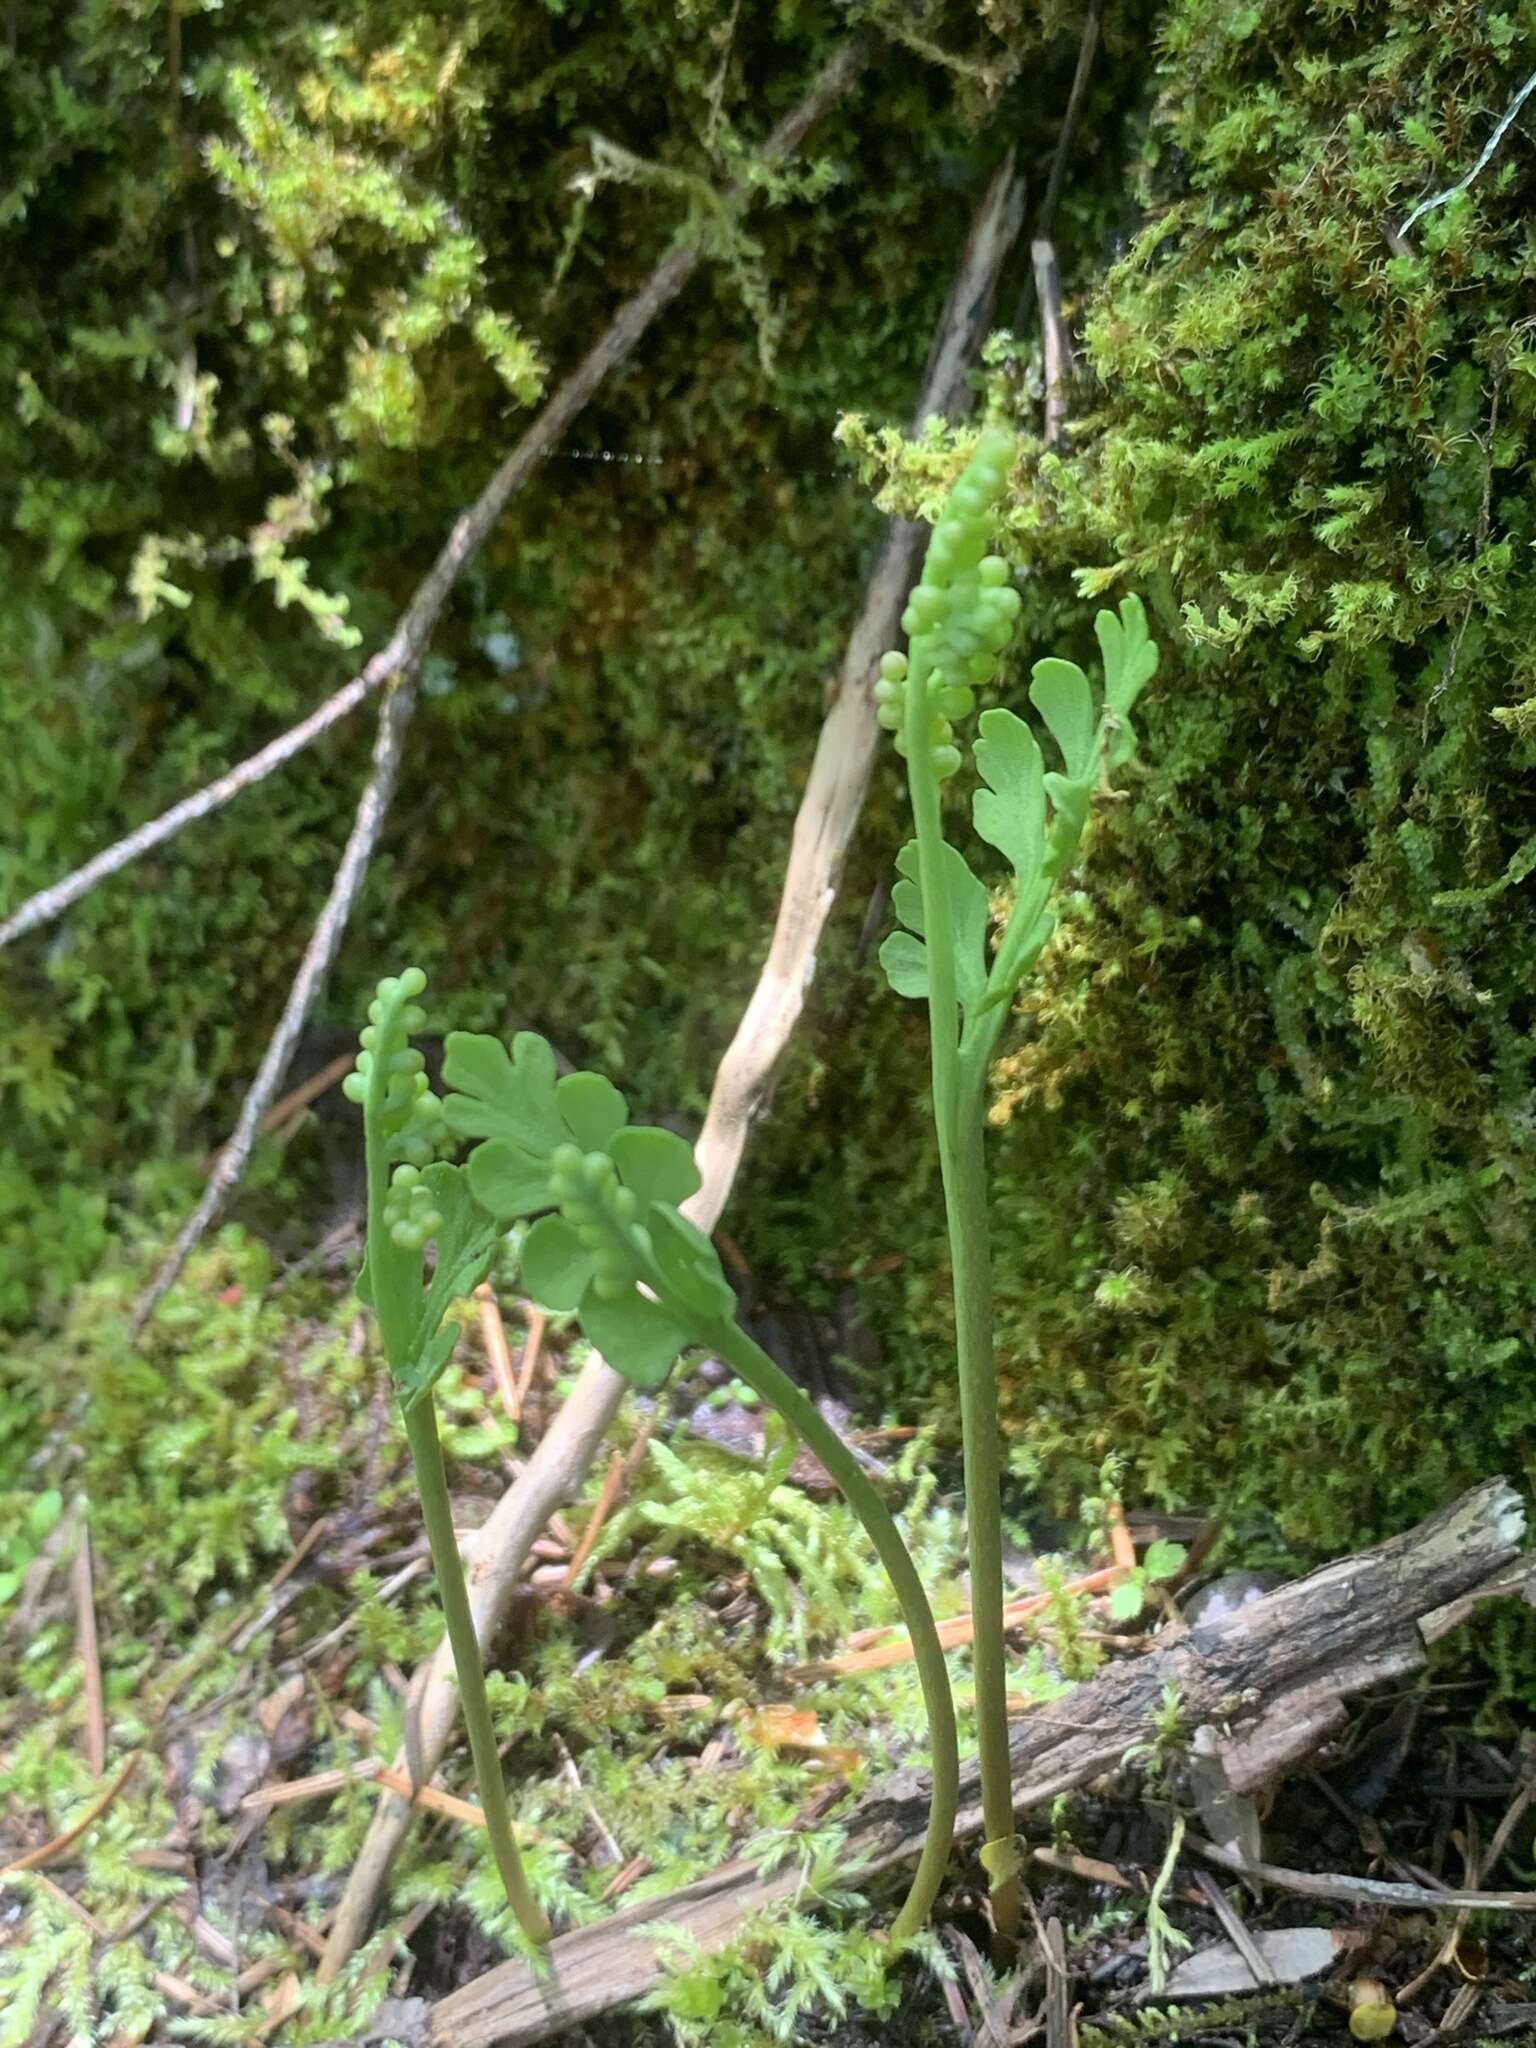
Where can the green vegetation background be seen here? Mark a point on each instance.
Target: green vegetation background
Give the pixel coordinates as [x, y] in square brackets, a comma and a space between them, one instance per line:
[273, 294]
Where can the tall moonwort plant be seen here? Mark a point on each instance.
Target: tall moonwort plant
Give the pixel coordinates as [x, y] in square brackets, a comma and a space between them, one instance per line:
[610, 1243]
[958, 620]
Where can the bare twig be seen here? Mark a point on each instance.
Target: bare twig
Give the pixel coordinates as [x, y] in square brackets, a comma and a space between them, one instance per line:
[1058, 1987]
[602, 1508]
[1485, 156]
[632, 320]
[493, 1335]
[954, 1632]
[1361, 1891]
[823, 830]
[299, 1098]
[1045, 222]
[528, 1359]
[1235, 1927]
[1056, 341]
[316, 964]
[408, 641]
[46, 1852]
[51, 902]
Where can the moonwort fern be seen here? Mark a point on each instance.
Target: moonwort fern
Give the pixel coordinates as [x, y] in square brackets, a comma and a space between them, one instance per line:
[607, 1239]
[958, 619]
[413, 1198]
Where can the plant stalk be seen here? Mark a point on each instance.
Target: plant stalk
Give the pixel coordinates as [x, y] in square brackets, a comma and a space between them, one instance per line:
[963, 1163]
[957, 1118]
[396, 1288]
[437, 1513]
[753, 1365]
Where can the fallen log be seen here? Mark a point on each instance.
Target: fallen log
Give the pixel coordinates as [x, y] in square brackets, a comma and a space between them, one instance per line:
[1270, 1679]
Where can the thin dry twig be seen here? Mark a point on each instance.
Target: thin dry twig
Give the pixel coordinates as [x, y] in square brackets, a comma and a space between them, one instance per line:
[493, 1334]
[1122, 1547]
[823, 831]
[1045, 220]
[1056, 341]
[602, 1508]
[1058, 1987]
[314, 967]
[954, 1633]
[1235, 1927]
[53, 901]
[1361, 1891]
[47, 1852]
[530, 1359]
[299, 1098]
[410, 639]
[84, 1592]
[318, 1785]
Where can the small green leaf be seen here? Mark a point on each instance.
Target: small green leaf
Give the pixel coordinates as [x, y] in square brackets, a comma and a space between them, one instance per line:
[1002, 1860]
[690, 1266]
[907, 896]
[502, 1097]
[1129, 654]
[1125, 1600]
[465, 1240]
[968, 910]
[592, 1110]
[1071, 800]
[1163, 1560]
[557, 1267]
[1060, 693]
[508, 1180]
[9, 1581]
[905, 961]
[429, 1366]
[637, 1338]
[1010, 814]
[1119, 739]
[658, 1165]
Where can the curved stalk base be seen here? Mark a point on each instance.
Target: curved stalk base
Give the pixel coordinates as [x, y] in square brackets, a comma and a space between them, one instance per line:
[753, 1365]
[432, 1483]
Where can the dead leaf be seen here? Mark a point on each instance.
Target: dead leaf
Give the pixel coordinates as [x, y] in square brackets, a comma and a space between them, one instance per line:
[1292, 1953]
[796, 1731]
[1231, 1818]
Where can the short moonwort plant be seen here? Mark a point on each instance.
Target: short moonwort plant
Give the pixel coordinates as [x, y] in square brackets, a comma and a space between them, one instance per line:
[411, 1199]
[609, 1242]
[958, 620]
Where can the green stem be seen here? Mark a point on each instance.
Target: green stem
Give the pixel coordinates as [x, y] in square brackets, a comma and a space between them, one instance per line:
[753, 1365]
[957, 1117]
[963, 1162]
[432, 1484]
[395, 1281]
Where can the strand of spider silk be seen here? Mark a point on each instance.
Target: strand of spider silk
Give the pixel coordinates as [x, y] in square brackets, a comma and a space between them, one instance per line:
[757, 1369]
[957, 1118]
[396, 1302]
